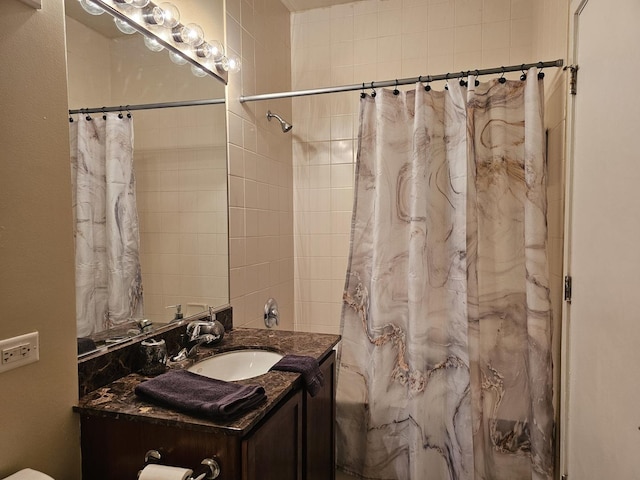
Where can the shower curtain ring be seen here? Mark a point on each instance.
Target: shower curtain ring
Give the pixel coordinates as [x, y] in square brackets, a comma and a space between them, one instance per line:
[104, 113]
[463, 82]
[502, 79]
[128, 112]
[363, 94]
[395, 90]
[373, 92]
[427, 87]
[446, 81]
[120, 116]
[88, 117]
[476, 82]
[523, 77]
[540, 73]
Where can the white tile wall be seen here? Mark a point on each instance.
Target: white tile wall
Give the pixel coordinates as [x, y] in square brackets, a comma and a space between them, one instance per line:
[260, 169]
[361, 42]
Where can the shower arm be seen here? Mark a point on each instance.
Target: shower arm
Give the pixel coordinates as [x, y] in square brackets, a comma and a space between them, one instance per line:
[286, 126]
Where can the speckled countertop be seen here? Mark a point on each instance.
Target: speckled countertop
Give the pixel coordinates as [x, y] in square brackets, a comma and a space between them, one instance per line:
[118, 400]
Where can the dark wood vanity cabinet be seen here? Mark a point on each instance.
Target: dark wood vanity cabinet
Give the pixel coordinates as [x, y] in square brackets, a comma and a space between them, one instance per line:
[295, 441]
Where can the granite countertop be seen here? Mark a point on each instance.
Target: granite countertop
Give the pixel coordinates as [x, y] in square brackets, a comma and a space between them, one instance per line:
[118, 400]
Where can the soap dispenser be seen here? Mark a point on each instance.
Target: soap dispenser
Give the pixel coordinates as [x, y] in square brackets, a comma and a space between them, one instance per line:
[178, 315]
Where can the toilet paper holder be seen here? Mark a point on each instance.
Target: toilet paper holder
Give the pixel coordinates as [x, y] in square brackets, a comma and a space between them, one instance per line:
[208, 469]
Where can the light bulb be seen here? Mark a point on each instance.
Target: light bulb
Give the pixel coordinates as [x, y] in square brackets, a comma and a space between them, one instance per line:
[177, 59]
[152, 44]
[234, 64]
[124, 27]
[191, 34]
[223, 64]
[170, 15]
[153, 15]
[212, 49]
[198, 72]
[91, 7]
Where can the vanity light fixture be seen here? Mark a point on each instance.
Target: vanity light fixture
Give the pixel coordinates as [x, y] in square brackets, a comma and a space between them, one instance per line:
[91, 8]
[152, 44]
[191, 34]
[124, 27]
[160, 24]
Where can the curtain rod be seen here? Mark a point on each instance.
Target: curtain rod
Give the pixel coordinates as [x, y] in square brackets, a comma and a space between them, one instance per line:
[148, 106]
[403, 81]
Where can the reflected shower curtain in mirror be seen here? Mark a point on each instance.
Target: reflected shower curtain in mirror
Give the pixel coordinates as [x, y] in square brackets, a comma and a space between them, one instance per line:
[108, 276]
[445, 365]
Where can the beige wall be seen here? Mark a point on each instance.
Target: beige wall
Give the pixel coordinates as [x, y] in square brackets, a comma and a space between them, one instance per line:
[39, 429]
[260, 169]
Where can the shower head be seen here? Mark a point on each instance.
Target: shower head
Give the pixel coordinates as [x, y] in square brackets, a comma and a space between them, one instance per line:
[285, 125]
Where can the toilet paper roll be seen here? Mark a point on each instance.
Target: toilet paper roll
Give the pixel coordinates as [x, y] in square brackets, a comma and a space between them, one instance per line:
[163, 472]
[28, 474]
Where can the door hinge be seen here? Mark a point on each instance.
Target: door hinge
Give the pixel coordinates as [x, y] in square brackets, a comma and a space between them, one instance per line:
[567, 288]
[573, 81]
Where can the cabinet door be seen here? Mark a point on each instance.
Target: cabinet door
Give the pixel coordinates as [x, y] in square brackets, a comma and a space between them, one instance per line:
[274, 450]
[319, 425]
[115, 448]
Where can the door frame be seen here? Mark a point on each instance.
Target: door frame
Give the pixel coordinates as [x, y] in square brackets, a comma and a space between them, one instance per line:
[576, 7]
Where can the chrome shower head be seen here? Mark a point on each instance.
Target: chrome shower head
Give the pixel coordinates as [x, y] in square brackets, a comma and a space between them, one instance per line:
[285, 125]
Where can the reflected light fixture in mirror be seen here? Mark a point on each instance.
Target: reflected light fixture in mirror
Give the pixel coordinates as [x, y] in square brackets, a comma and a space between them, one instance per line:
[161, 27]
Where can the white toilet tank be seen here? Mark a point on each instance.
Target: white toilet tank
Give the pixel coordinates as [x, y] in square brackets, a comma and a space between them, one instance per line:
[28, 474]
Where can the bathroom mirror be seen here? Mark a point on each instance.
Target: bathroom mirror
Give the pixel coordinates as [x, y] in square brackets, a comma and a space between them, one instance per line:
[179, 160]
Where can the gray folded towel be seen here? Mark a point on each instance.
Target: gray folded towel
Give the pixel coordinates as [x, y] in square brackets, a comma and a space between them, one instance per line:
[307, 366]
[199, 395]
[85, 344]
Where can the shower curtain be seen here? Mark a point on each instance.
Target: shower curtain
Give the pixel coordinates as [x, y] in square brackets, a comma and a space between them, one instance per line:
[445, 366]
[108, 276]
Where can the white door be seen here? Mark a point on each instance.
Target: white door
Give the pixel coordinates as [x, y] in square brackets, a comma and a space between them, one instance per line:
[603, 438]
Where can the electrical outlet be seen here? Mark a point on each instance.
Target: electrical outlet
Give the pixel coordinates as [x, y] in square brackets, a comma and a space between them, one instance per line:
[18, 351]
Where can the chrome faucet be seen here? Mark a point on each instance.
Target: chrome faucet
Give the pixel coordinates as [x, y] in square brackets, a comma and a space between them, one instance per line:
[199, 332]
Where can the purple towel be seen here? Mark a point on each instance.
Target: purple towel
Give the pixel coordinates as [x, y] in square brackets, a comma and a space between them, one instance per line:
[307, 366]
[199, 395]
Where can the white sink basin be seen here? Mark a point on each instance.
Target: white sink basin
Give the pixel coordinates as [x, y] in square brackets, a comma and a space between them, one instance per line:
[236, 365]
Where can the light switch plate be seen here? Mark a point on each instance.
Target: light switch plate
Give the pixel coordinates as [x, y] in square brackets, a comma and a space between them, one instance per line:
[19, 351]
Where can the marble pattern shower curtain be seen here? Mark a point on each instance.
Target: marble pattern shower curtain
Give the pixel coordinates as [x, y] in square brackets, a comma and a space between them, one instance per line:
[108, 276]
[445, 366]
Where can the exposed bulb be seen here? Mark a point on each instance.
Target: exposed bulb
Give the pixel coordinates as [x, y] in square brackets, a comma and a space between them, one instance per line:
[124, 27]
[177, 59]
[170, 15]
[190, 34]
[133, 3]
[198, 72]
[153, 15]
[223, 64]
[152, 44]
[212, 49]
[234, 64]
[91, 7]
